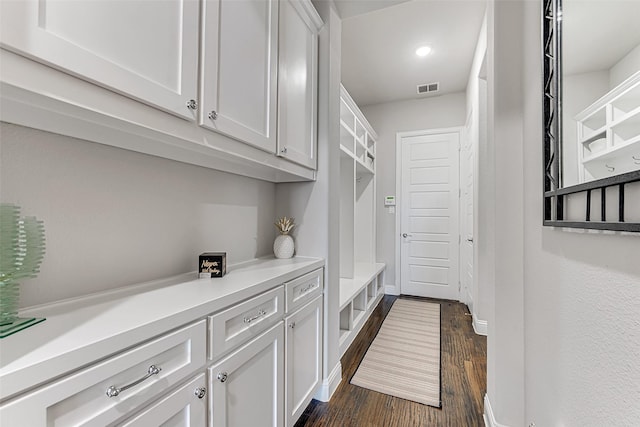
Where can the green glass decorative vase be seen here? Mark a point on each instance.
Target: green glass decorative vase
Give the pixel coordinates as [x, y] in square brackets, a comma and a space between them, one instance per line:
[21, 253]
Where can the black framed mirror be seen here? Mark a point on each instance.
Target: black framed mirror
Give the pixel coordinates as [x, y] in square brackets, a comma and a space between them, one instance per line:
[591, 114]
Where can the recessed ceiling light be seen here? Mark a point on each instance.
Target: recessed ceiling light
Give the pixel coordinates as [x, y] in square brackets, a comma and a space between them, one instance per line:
[423, 51]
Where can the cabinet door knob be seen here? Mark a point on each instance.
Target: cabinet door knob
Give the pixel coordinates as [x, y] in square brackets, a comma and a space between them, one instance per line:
[200, 392]
[213, 114]
[192, 104]
[284, 150]
[405, 235]
[222, 377]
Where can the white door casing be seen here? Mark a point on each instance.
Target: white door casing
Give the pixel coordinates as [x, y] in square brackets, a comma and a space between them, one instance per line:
[429, 224]
[467, 158]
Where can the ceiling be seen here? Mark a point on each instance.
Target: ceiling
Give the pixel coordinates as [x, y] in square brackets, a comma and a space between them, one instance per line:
[379, 39]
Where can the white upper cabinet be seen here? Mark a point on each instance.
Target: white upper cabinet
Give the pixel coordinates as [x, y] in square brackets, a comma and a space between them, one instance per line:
[239, 65]
[146, 50]
[298, 82]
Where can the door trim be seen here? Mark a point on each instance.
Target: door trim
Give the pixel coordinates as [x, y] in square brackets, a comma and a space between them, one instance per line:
[399, 136]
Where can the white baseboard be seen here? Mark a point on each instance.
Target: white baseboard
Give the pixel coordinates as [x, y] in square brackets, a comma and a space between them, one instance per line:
[480, 326]
[391, 290]
[489, 418]
[330, 384]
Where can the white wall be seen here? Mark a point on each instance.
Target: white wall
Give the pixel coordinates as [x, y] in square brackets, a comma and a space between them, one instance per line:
[627, 66]
[114, 217]
[572, 298]
[505, 338]
[388, 119]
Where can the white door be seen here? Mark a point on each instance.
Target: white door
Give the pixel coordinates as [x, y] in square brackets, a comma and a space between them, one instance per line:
[247, 386]
[429, 214]
[239, 71]
[297, 82]
[466, 220]
[147, 50]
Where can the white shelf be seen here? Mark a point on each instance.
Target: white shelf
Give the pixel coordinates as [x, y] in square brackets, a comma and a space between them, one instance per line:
[609, 132]
[358, 298]
[363, 275]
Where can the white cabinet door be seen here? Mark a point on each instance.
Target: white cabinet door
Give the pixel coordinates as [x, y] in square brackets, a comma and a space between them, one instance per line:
[303, 358]
[239, 70]
[247, 387]
[147, 50]
[184, 407]
[297, 82]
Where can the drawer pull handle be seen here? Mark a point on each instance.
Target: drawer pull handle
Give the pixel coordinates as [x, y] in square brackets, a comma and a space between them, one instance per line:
[307, 288]
[256, 317]
[200, 392]
[222, 377]
[113, 391]
[292, 325]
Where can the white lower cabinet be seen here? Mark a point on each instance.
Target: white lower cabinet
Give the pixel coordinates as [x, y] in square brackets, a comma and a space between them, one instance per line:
[303, 359]
[247, 387]
[262, 367]
[114, 388]
[185, 407]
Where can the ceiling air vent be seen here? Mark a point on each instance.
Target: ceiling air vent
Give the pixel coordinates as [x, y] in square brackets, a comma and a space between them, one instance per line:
[429, 88]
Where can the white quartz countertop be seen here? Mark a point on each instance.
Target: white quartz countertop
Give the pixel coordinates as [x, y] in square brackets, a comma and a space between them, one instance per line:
[76, 335]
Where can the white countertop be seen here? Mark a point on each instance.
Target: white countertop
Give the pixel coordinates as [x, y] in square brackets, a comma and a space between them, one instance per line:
[76, 335]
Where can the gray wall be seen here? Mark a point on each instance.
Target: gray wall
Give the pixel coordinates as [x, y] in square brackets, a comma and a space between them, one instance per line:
[114, 217]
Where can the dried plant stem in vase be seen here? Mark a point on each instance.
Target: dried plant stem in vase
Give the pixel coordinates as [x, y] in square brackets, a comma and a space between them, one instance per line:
[283, 246]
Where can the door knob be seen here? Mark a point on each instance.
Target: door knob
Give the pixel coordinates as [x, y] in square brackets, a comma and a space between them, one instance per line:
[405, 235]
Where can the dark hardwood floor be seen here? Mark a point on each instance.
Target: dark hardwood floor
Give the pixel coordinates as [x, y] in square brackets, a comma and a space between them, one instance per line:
[464, 356]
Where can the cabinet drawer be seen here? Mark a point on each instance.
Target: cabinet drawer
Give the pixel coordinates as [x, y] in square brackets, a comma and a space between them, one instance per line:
[303, 289]
[81, 398]
[186, 406]
[238, 324]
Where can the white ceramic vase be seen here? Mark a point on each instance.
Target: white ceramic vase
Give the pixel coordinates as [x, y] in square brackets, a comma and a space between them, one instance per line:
[283, 246]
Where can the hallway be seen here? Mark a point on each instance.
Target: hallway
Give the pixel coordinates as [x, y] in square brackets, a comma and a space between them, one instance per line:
[463, 381]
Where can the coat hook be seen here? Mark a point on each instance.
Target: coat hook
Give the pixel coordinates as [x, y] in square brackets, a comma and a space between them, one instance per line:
[636, 160]
[610, 168]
